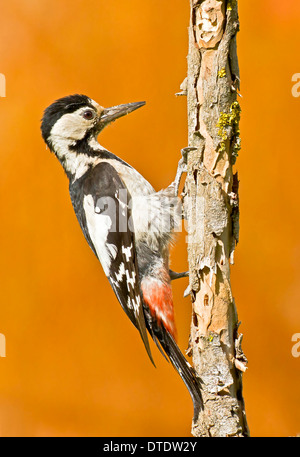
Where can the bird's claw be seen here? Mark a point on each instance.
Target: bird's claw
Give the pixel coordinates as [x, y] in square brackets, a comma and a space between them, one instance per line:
[182, 167]
[187, 291]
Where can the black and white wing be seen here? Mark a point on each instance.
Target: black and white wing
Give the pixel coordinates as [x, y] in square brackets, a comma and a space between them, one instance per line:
[100, 200]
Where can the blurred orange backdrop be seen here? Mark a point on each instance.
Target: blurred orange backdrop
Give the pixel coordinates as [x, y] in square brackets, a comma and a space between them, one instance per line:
[74, 363]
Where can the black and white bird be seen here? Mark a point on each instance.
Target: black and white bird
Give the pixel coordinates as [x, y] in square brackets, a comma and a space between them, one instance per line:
[127, 224]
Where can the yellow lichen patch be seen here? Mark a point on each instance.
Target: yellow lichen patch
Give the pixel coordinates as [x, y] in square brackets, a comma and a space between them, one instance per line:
[222, 73]
[211, 338]
[230, 120]
[231, 4]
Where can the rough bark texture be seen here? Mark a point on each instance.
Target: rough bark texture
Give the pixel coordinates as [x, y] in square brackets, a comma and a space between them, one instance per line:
[211, 205]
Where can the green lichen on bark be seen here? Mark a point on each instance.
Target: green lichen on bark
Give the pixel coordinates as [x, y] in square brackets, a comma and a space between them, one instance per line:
[229, 129]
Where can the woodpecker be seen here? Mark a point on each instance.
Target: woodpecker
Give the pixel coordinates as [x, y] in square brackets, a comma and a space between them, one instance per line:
[128, 225]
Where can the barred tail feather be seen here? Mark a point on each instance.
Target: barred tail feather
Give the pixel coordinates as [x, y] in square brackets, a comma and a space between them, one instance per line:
[166, 343]
[185, 370]
[159, 317]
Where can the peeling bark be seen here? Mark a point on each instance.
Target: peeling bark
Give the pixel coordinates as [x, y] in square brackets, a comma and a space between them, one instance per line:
[211, 206]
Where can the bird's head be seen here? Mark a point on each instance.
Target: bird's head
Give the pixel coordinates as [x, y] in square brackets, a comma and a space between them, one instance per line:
[75, 118]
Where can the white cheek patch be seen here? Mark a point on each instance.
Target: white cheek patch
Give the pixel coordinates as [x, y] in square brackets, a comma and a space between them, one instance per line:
[98, 226]
[72, 126]
[69, 129]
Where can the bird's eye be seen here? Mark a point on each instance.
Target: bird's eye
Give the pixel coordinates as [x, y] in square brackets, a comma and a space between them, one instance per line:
[88, 114]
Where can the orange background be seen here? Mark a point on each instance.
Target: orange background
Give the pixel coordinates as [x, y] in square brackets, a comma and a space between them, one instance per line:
[75, 365]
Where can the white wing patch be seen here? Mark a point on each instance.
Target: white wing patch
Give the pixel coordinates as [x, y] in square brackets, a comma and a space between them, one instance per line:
[98, 226]
[134, 303]
[120, 274]
[127, 252]
[130, 280]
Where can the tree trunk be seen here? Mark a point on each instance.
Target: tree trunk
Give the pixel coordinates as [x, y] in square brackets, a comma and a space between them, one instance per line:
[211, 206]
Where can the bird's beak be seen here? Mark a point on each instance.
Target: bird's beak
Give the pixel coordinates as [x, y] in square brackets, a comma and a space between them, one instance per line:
[111, 114]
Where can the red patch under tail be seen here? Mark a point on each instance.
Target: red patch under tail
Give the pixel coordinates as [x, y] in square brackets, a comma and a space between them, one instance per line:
[158, 297]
